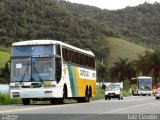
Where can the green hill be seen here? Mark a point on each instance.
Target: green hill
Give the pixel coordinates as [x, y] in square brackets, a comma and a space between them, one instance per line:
[4, 57]
[133, 22]
[124, 49]
[48, 19]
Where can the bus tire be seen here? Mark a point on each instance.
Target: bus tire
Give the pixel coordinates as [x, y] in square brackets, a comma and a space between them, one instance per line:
[90, 91]
[52, 101]
[87, 96]
[61, 100]
[106, 97]
[26, 101]
[119, 97]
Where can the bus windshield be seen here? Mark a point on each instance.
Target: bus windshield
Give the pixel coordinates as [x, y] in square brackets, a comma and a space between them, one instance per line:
[145, 84]
[43, 50]
[32, 69]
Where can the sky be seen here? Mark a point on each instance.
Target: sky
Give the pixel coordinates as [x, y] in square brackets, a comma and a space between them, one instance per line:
[112, 4]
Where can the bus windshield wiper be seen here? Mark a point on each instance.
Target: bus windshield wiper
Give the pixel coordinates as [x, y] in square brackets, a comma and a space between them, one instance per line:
[25, 73]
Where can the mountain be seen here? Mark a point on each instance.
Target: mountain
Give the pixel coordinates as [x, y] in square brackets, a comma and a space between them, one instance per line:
[80, 25]
[139, 24]
[49, 19]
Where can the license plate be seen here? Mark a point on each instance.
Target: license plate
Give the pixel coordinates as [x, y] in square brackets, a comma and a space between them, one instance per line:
[111, 95]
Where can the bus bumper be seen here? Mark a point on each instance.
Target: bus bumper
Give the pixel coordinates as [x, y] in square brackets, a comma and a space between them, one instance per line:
[35, 93]
[144, 92]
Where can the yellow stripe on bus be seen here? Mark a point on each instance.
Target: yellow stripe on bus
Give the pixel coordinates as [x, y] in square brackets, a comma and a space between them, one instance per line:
[82, 83]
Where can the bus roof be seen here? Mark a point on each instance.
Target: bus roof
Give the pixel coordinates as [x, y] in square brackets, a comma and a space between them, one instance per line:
[48, 42]
[141, 77]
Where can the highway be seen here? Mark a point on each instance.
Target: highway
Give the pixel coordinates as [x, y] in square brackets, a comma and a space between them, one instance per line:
[85, 111]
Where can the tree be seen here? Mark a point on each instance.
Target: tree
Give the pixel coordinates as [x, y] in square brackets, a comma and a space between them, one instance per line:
[148, 65]
[155, 63]
[122, 70]
[143, 64]
[101, 71]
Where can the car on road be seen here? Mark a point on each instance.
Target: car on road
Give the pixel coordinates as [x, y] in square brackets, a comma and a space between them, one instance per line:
[157, 95]
[113, 91]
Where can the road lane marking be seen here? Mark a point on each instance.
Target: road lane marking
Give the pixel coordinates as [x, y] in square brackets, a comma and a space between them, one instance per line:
[66, 105]
[23, 109]
[36, 108]
[126, 108]
[124, 100]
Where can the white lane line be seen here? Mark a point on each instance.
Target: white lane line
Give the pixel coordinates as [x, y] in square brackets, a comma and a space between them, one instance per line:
[37, 108]
[24, 109]
[126, 108]
[125, 100]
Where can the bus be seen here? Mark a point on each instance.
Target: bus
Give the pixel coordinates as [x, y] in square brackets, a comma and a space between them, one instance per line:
[141, 85]
[51, 70]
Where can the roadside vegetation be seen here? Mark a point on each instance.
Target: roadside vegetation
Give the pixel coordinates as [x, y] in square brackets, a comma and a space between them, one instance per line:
[4, 57]
[6, 100]
[119, 47]
[126, 93]
[99, 94]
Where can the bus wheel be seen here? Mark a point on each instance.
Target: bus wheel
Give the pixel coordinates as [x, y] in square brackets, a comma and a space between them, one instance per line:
[106, 97]
[26, 101]
[52, 101]
[87, 96]
[61, 100]
[119, 97]
[79, 100]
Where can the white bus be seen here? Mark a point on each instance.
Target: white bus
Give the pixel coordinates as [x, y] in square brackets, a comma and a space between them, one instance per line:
[141, 85]
[51, 70]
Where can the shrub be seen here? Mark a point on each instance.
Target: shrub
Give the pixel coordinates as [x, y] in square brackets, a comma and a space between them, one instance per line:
[5, 99]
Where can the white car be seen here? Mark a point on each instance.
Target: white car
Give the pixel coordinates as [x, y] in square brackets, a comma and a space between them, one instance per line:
[113, 91]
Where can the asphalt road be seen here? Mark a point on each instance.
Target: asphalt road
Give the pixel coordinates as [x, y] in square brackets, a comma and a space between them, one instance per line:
[130, 108]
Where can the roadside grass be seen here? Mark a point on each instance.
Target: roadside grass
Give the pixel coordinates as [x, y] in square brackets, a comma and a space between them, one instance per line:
[6, 100]
[99, 95]
[126, 93]
[4, 57]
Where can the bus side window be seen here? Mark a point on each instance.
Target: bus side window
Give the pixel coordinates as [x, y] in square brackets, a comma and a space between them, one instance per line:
[58, 69]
